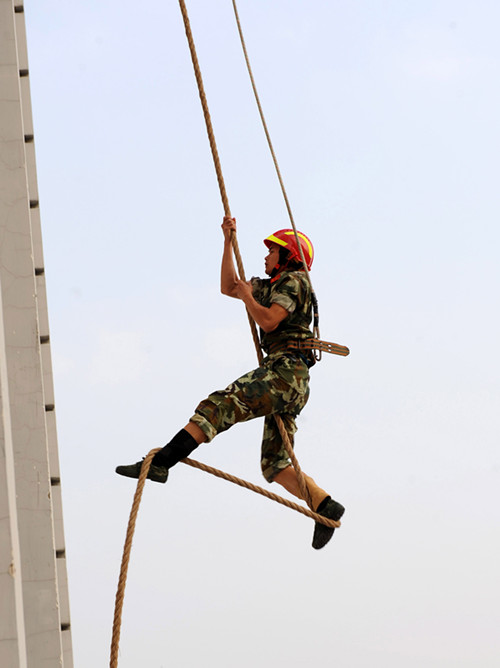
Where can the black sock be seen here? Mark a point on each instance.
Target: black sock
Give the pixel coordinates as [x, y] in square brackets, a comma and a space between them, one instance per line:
[179, 447]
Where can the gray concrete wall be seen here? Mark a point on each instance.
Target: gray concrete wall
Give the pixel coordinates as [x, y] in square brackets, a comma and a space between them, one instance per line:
[34, 622]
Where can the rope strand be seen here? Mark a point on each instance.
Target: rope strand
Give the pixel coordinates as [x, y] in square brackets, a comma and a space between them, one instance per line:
[127, 549]
[334, 524]
[216, 159]
[276, 165]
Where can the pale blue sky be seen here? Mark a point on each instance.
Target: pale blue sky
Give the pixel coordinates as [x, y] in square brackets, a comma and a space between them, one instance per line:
[384, 116]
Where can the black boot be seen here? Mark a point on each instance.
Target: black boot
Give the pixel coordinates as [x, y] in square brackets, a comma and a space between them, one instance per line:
[179, 447]
[334, 511]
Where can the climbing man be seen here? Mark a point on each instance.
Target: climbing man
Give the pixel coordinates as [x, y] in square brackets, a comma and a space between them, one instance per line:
[282, 307]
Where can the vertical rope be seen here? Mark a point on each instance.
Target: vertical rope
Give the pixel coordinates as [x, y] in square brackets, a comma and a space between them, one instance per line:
[216, 159]
[278, 171]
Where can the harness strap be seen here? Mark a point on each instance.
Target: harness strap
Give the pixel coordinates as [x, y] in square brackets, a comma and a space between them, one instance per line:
[308, 344]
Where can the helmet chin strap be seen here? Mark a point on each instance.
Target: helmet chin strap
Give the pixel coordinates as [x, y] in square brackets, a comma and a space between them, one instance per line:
[275, 273]
[279, 268]
[282, 265]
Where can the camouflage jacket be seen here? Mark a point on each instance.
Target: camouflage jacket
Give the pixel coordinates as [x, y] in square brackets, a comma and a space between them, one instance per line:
[292, 291]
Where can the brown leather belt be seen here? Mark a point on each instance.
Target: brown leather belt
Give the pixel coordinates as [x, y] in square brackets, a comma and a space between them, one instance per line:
[308, 344]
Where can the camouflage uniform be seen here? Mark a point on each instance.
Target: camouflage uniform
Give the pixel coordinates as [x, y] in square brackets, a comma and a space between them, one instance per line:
[280, 385]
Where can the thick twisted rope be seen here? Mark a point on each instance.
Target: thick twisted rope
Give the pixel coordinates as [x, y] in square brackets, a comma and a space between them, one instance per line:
[215, 156]
[263, 492]
[127, 549]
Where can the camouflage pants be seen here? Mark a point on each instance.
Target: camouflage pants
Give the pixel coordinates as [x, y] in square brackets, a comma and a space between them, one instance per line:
[280, 385]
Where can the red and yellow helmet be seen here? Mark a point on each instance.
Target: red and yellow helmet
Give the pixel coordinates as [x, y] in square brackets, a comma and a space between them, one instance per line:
[287, 239]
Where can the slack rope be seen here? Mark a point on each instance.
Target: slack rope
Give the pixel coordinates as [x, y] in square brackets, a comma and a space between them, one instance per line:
[122, 580]
[120, 594]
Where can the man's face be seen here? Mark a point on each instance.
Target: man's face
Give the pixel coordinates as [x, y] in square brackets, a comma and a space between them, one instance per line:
[272, 258]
